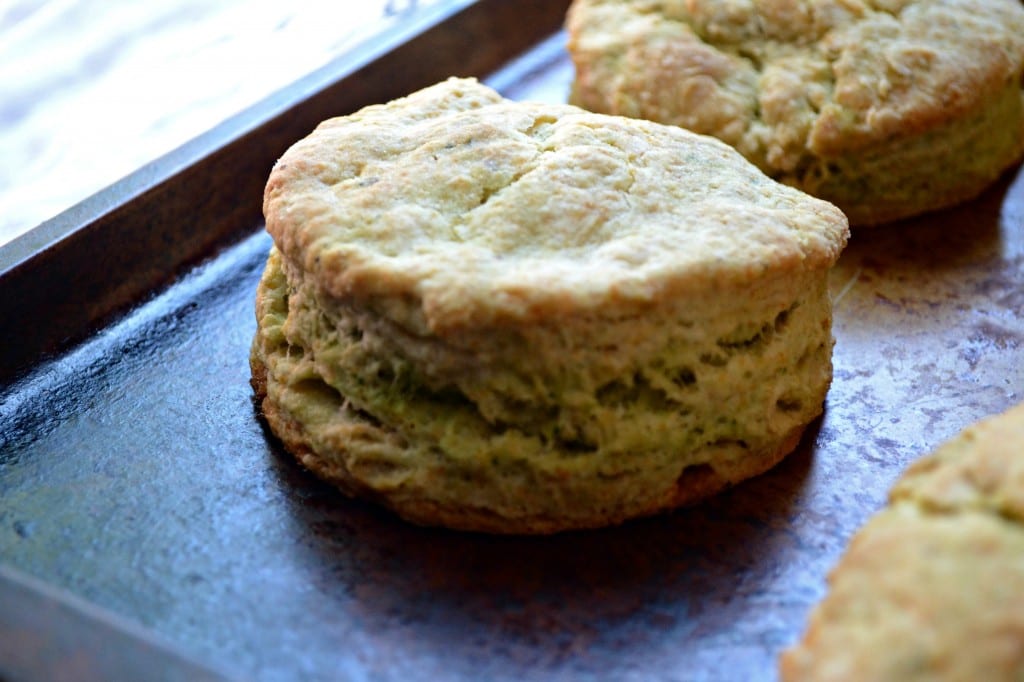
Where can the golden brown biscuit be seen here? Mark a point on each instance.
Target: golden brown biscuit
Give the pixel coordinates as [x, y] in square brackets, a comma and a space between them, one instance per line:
[518, 317]
[932, 588]
[887, 108]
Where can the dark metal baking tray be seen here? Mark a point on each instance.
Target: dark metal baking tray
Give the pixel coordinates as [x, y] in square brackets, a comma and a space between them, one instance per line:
[146, 515]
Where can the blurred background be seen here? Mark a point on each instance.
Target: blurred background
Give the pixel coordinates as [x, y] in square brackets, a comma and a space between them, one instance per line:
[90, 90]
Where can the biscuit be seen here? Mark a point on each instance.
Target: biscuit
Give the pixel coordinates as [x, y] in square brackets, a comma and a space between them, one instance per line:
[886, 108]
[526, 318]
[932, 587]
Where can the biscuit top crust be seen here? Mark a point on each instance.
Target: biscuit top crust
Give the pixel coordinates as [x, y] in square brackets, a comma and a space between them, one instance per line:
[778, 78]
[454, 207]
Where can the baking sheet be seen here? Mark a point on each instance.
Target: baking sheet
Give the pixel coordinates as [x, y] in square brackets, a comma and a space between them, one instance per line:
[136, 476]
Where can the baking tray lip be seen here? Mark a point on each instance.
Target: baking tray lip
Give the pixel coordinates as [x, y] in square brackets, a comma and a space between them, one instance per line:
[90, 209]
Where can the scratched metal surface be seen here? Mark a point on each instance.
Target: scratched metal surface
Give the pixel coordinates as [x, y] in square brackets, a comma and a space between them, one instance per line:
[135, 473]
